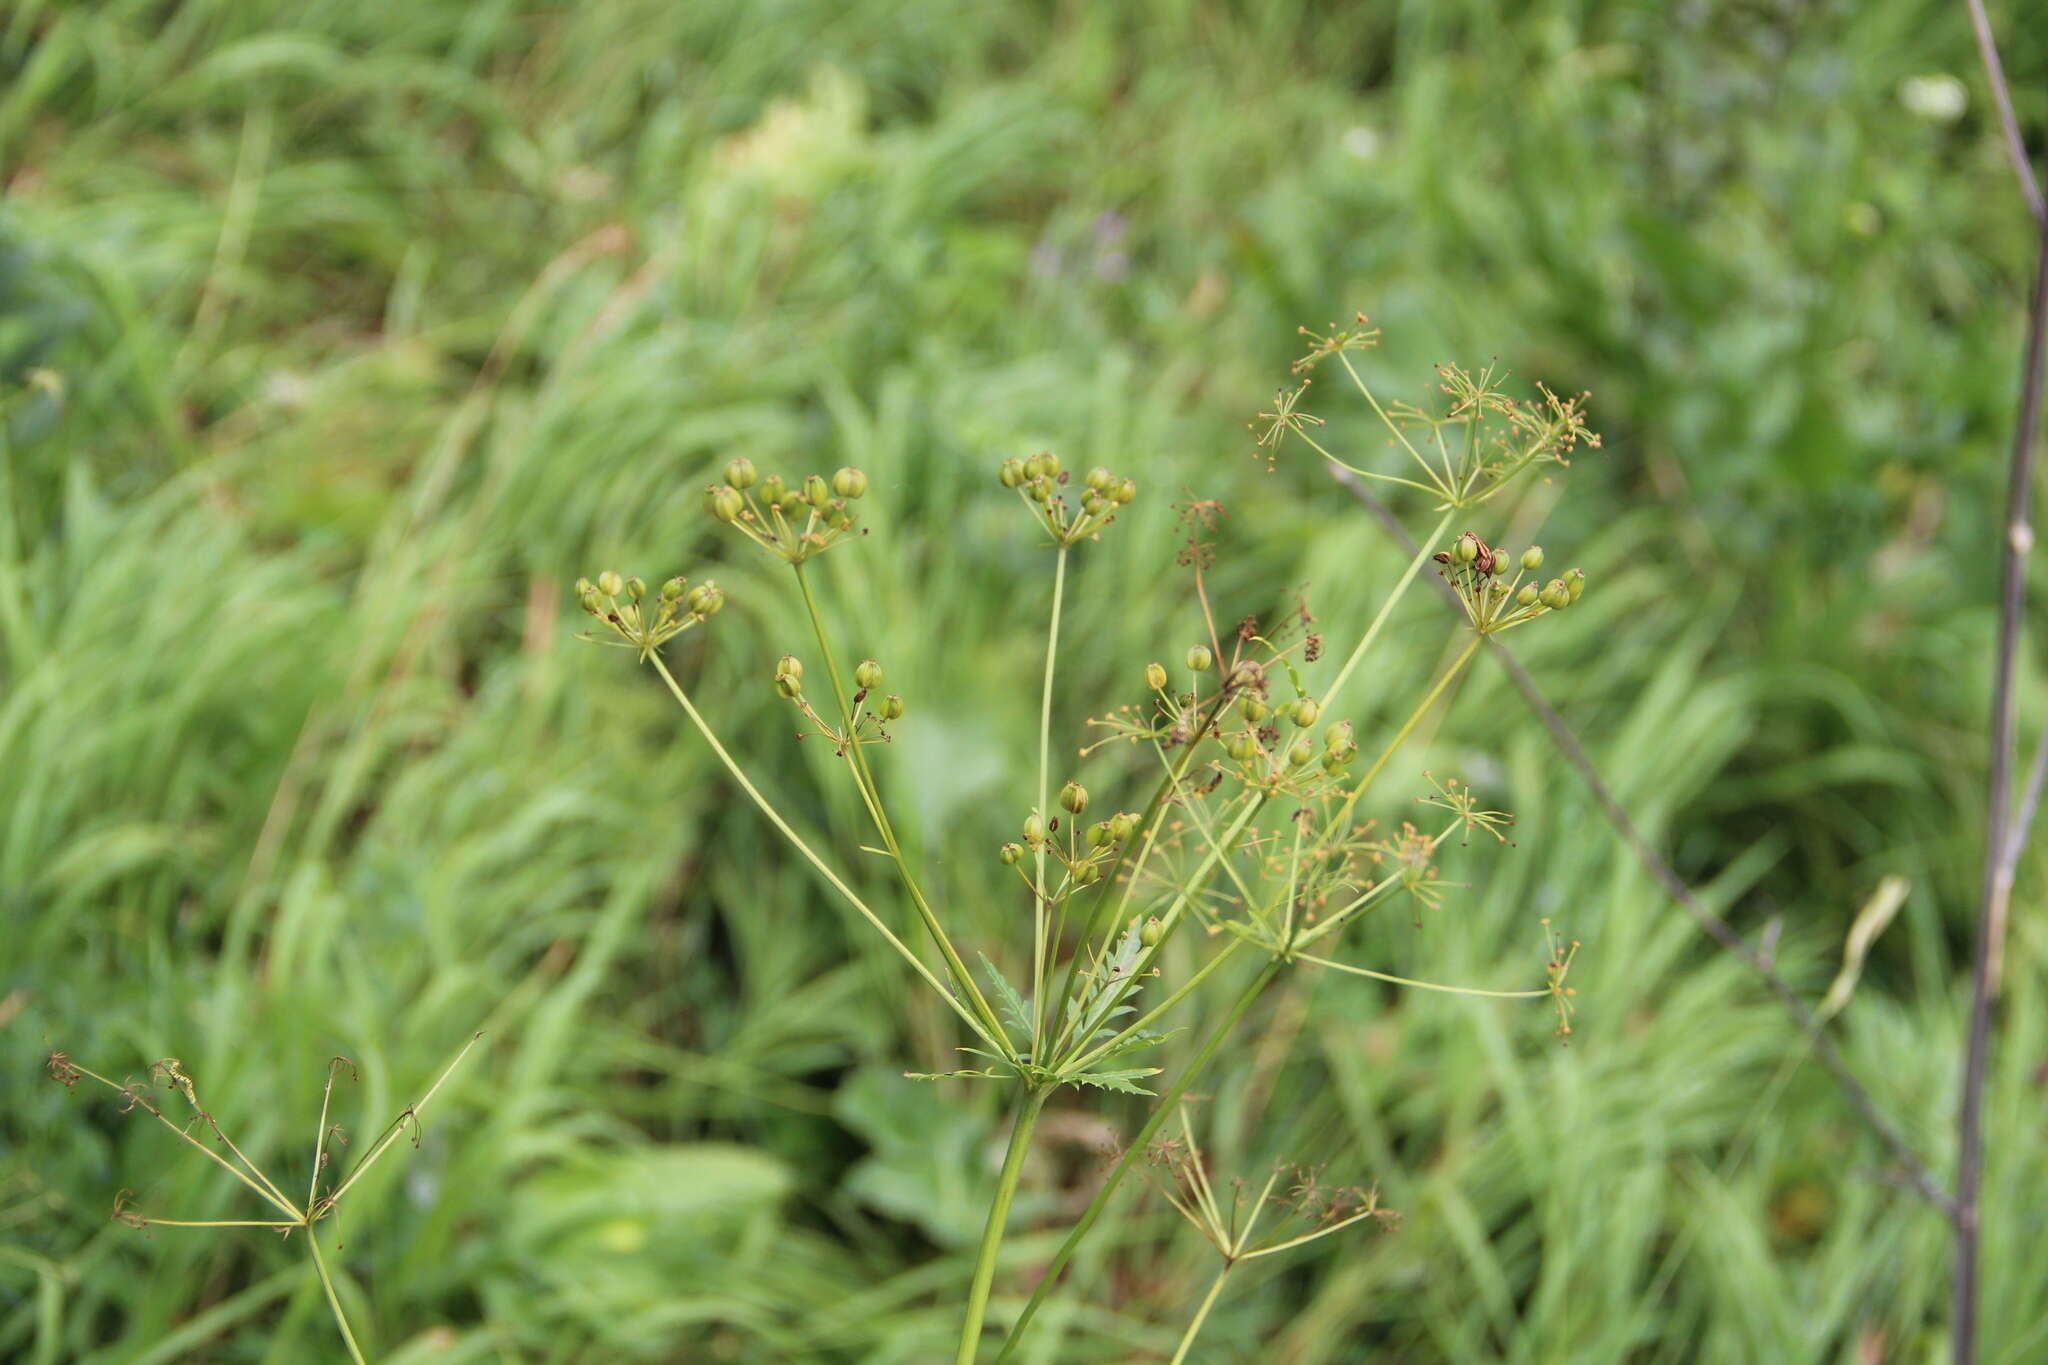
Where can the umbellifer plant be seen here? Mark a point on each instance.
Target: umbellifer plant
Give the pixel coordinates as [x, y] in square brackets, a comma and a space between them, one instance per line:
[1259, 783]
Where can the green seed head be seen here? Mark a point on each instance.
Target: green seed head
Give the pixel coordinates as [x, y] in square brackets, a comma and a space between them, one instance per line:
[724, 502]
[1034, 466]
[1199, 658]
[1300, 753]
[590, 601]
[1093, 503]
[1149, 932]
[773, 491]
[1074, 798]
[1011, 472]
[1575, 583]
[741, 473]
[1086, 874]
[1052, 464]
[1126, 492]
[1305, 712]
[1465, 548]
[1155, 676]
[610, 584]
[1099, 835]
[1123, 824]
[817, 492]
[789, 666]
[788, 686]
[1241, 746]
[1254, 710]
[1338, 736]
[672, 590]
[636, 588]
[849, 482]
[1100, 480]
[867, 675]
[1556, 595]
[1010, 853]
[892, 707]
[1532, 558]
[706, 598]
[1528, 595]
[1034, 828]
[584, 587]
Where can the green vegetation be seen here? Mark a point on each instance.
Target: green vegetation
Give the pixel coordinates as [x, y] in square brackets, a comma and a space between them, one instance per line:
[377, 325]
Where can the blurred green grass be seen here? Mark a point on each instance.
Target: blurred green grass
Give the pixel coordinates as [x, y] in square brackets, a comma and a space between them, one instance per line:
[380, 324]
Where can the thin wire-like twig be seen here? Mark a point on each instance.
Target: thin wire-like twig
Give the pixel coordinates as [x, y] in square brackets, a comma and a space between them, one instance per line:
[1916, 1171]
[2001, 95]
[2000, 851]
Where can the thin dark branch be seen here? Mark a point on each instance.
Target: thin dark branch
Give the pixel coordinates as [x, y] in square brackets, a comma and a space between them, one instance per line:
[1914, 1171]
[1996, 896]
[2001, 95]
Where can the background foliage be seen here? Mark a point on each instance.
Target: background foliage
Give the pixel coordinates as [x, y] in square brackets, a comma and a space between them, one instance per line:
[381, 323]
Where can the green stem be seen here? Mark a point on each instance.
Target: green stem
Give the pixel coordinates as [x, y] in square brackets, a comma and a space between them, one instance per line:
[832, 878]
[864, 778]
[1132, 1152]
[355, 1352]
[998, 1218]
[1157, 1012]
[1414, 718]
[1038, 943]
[1387, 609]
[1201, 1315]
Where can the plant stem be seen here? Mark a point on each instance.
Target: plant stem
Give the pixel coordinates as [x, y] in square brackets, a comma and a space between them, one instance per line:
[1201, 1315]
[1039, 947]
[333, 1300]
[998, 1218]
[1387, 609]
[1132, 1152]
[1996, 894]
[864, 779]
[1414, 719]
[832, 878]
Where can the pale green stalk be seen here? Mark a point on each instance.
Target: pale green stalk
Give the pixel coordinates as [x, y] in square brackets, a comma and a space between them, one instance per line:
[1419, 985]
[1387, 609]
[864, 778]
[998, 1217]
[1414, 719]
[832, 878]
[1201, 1315]
[1039, 946]
[1132, 1153]
[334, 1300]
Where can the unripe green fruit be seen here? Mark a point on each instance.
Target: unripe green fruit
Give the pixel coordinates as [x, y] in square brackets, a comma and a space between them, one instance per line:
[1301, 752]
[867, 675]
[1010, 853]
[817, 492]
[1099, 835]
[706, 598]
[1556, 596]
[1034, 466]
[672, 590]
[1052, 464]
[636, 588]
[1123, 824]
[1155, 676]
[610, 584]
[773, 491]
[1305, 712]
[1199, 658]
[1465, 549]
[1041, 490]
[741, 473]
[1241, 746]
[724, 502]
[1532, 558]
[788, 686]
[1011, 473]
[1086, 874]
[1575, 583]
[1074, 798]
[892, 707]
[790, 665]
[1528, 595]
[1093, 503]
[849, 482]
[1150, 932]
[1100, 480]
[1338, 736]
[584, 587]
[590, 601]
[1254, 710]
[1034, 827]
[1125, 493]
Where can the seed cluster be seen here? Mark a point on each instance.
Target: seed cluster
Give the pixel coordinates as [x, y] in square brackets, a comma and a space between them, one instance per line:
[790, 521]
[1042, 483]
